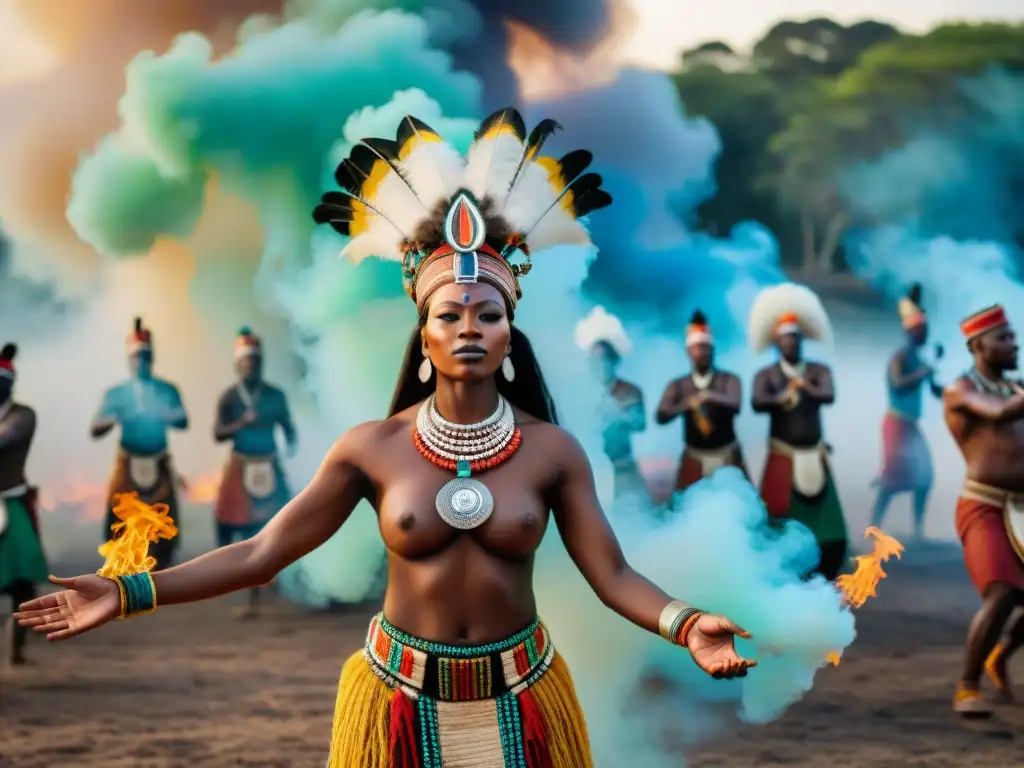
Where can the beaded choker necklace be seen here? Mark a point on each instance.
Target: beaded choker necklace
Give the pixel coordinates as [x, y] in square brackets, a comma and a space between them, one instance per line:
[465, 502]
[1002, 387]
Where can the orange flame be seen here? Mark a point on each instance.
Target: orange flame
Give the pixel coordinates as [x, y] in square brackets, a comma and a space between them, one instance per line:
[862, 584]
[139, 525]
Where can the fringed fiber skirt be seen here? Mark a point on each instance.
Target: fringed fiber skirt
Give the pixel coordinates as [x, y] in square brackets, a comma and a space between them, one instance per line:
[408, 703]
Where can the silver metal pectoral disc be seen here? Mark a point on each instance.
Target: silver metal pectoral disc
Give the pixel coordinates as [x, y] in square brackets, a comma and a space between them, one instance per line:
[464, 503]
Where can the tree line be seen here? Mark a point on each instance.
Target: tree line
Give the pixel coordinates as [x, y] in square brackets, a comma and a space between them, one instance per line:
[814, 97]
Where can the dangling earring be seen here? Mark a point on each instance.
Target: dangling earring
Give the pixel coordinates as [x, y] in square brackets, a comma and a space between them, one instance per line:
[425, 370]
[507, 369]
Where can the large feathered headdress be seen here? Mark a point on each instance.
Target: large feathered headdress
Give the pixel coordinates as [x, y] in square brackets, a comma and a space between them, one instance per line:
[601, 326]
[787, 308]
[453, 218]
[910, 310]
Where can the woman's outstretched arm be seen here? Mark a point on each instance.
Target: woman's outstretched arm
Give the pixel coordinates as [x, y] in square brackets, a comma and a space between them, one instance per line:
[591, 543]
[308, 521]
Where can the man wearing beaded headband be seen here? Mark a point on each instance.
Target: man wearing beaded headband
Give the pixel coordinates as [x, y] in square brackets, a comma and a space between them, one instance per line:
[145, 408]
[253, 487]
[797, 481]
[603, 338]
[457, 670]
[907, 462]
[985, 415]
[709, 401]
[22, 563]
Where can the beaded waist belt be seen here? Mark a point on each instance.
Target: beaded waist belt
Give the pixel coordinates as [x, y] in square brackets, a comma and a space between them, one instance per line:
[458, 673]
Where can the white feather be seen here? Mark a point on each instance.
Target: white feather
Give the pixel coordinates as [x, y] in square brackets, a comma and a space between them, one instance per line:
[490, 165]
[435, 170]
[775, 301]
[600, 325]
[528, 209]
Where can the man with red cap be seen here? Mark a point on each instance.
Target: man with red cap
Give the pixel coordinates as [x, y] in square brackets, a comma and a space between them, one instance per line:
[22, 563]
[253, 487]
[985, 415]
[907, 462]
[145, 408]
[797, 483]
[709, 400]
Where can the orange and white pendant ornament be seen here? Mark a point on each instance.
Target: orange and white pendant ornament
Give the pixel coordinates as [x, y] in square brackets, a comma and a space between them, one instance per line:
[465, 232]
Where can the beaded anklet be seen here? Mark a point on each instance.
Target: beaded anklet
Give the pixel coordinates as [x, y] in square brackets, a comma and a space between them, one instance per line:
[138, 594]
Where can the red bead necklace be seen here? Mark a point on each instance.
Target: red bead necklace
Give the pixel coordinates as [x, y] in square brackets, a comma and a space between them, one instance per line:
[479, 465]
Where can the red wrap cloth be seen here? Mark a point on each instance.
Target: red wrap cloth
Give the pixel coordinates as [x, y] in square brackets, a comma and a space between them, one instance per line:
[988, 553]
[777, 483]
[691, 470]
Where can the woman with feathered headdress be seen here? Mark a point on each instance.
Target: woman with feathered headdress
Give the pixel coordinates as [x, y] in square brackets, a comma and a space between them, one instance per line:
[22, 562]
[602, 336]
[906, 460]
[457, 670]
[797, 481]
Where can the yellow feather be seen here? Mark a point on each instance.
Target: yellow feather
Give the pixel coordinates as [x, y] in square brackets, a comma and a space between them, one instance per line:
[554, 169]
[410, 146]
[567, 203]
[498, 130]
[360, 219]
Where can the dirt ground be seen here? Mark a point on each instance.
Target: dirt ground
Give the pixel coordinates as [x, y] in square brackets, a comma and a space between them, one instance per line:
[190, 687]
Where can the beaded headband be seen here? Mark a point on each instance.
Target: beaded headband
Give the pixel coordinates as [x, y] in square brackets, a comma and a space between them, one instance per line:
[448, 217]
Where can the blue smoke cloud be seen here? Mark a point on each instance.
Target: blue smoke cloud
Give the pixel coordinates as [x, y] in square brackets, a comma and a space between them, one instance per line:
[270, 121]
[949, 205]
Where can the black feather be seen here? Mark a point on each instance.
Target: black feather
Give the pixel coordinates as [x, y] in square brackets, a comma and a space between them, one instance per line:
[914, 294]
[409, 127]
[138, 325]
[591, 200]
[335, 209]
[574, 163]
[531, 150]
[508, 116]
[698, 318]
[8, 352]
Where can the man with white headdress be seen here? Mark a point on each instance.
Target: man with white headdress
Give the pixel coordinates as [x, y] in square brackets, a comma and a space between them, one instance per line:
[797, 481]
[603, 337]
[708, 401]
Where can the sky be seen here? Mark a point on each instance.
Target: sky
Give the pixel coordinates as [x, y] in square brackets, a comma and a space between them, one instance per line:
[664, 28]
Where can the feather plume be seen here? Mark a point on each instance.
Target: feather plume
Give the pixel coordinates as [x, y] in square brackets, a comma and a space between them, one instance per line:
[495, 130]
[600, 325]
[698, 318]
[531, 150]
[9, 352]
[777, 300]
[138, 325]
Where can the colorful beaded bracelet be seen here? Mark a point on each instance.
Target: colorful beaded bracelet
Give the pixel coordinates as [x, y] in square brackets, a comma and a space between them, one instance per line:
[138, 594]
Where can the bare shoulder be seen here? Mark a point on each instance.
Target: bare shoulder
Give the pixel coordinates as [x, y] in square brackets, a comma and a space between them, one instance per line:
[362, 441]
[557, 442]
[25, 413]
[818, 369]
[728, 377]
[958, 387]
[765, 372]
[627, 390]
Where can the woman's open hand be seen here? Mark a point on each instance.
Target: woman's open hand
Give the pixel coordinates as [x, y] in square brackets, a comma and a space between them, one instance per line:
[86, 603]
[712, 644]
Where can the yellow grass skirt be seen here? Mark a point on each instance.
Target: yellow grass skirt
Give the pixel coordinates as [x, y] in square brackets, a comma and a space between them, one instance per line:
[362, 733]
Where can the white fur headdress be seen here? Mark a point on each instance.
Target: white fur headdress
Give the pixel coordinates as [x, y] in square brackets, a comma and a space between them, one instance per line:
[405, 200]
[785, 308]
[600, 325]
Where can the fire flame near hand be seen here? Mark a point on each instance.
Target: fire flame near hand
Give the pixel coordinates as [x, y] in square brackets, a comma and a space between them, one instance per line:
[128, 549]
[860, 585]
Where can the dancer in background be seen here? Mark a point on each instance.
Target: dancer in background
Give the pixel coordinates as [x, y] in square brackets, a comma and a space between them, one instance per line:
[22, 563]
[709, 401]
[253, 487]
[602, 336]
[145, 408]
[985, 415]
[797, 482]
[907, 462]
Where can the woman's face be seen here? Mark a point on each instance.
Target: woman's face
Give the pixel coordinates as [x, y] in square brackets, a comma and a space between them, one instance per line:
[466, 335]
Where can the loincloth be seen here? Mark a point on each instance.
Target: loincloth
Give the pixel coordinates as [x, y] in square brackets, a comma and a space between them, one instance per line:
[698, 463]
[797, 483]
[403, 701]
[990, 524]
[21, 553]
[252, 490]
[906, 460]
